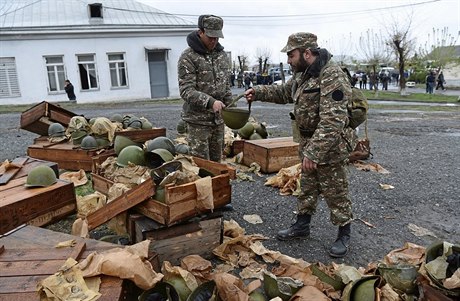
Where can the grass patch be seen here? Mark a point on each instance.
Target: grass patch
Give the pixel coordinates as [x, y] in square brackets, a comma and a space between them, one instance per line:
[421, 97]
[415, 108]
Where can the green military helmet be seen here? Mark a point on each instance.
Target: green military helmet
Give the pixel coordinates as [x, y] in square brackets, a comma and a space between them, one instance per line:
[160, 142]
[205, 291]
[56, 130]
[121, 142]
[432, 252]
[257, 296]
[102, 141]
[89, 142]
[116, 118]
[160, 194]
[78, 135]
[181, 287]
[162, 291]
[182, 149]
[400, 277]
[181, 127]
[246, 131]
[283, 287]
[159, 173]
[41, 176]
[157, 157]
[92, 121]
[146, 124]
[261, 130]
[255, 136]
[135, 122]
[133, 154]
[235, 118]
[362, 289]
[126, 119]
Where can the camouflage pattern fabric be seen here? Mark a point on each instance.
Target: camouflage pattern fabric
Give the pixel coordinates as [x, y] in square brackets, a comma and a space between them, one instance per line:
[203, 79]
[205, 141]
[320, 110]
[300, 40]
[331, 181]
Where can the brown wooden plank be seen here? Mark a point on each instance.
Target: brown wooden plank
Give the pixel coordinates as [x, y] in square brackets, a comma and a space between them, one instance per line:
[53, 216]
[20, 204]
[19, 268]
[101, 184]
[215, 167]
[33, 162]
[2, 248]
[9, 174]
[121, 204]
[35, 254]
[78, 250]
[142, 135]
[20, 284]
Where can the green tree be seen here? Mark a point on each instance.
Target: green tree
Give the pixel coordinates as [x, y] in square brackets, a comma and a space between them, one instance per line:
[402, 44]
[439, 48]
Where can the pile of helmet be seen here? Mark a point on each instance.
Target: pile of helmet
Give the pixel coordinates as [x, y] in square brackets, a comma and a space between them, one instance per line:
[253, 130]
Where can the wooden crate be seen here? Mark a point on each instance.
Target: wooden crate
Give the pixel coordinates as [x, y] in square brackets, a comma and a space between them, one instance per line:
[198, 236]
[180, 201]
[72, 157]
[29, 256]
[38, 118]
[271, 154]
[19, 204]
[27, 164]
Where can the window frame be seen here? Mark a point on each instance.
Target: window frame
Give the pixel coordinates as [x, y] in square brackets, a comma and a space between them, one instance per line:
[88, 73]
[117, 69]
[59, 83]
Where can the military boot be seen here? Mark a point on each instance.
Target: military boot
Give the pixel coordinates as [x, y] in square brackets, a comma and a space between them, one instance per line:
[300, 229]
[340, 247]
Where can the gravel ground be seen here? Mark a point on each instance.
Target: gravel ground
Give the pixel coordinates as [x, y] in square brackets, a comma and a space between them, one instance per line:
[421, 151]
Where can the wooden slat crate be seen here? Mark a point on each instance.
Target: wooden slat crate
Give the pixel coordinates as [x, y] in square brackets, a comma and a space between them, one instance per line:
[19, 204]
[27, 164]
[181, 200]
[271, 154]
[38, 118]
[29, 256]
[72, 157]
[198, 236]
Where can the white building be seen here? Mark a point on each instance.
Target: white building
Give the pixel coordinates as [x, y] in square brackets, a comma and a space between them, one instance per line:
[110, 50]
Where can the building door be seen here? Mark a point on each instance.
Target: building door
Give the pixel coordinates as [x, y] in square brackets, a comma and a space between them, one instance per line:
[158, 74]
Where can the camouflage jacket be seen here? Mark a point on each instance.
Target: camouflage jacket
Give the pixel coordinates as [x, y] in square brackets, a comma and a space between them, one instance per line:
[320, 109]
[203, 79]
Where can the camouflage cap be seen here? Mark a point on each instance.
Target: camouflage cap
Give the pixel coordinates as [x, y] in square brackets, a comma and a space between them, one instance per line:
[300, 40]
[212, 25]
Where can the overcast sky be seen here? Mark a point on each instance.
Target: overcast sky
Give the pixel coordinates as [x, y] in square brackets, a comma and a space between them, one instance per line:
[266, 24]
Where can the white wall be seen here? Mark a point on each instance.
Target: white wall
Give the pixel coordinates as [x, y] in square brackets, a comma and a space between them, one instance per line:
[33, 82]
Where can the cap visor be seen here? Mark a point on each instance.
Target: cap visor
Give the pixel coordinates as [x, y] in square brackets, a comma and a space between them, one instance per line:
[214, 33]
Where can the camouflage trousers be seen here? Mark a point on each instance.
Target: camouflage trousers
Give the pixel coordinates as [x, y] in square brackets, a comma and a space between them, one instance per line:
[330, 181]
[206, 141]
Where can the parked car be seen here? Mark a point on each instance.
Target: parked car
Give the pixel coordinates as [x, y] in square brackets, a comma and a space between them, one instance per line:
[280, 82]
[410, 84]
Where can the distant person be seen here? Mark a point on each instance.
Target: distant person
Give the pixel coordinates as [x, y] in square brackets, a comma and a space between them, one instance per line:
[364, 80]
[441, 81]
[68, 87]
[203, 73]
[430, 83]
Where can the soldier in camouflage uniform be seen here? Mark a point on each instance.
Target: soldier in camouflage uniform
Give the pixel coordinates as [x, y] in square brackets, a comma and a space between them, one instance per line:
[320, 92]
[204, 86]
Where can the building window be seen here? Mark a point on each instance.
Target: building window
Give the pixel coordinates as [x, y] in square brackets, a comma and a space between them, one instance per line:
[88, 73]
[95, 10]
[9, 83]
[118, 72]
[56, 73]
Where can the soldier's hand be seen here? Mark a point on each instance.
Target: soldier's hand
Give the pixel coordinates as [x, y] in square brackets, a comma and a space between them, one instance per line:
[217, 106]
[308, 165]
[250, 95]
